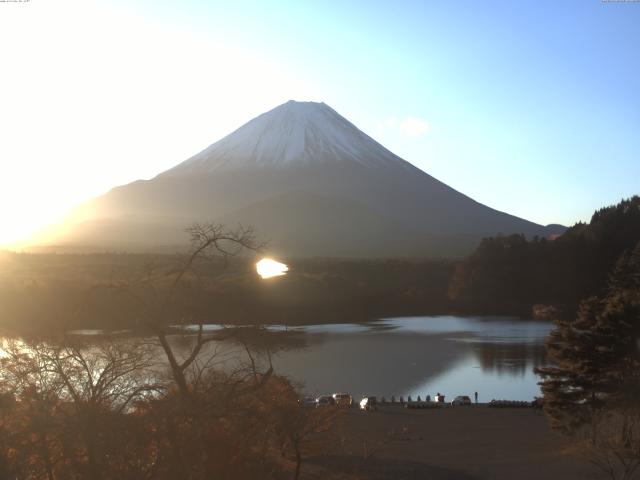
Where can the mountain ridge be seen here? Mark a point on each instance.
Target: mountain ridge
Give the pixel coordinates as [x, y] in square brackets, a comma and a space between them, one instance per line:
[293, 173]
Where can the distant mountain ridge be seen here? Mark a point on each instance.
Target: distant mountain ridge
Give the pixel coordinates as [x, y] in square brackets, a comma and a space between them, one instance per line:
[309, 181]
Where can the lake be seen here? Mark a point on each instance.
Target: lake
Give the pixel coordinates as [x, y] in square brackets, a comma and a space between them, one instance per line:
[494, 356]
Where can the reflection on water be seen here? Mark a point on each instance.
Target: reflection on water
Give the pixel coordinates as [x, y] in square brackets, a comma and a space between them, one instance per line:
[420, 356]
[514, 360]
[494, 356]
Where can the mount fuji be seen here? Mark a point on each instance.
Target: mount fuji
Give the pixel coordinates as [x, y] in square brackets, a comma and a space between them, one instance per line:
[311, 183]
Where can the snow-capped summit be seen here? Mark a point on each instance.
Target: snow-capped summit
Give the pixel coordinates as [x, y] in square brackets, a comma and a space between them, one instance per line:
[294, 132]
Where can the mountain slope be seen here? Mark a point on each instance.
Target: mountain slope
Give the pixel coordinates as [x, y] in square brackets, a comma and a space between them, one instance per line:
[310, 181]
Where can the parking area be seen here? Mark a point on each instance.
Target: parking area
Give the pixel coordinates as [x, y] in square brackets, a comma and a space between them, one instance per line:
[468, 443]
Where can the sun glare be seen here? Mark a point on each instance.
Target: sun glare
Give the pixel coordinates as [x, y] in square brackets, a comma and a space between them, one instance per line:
[268, 268]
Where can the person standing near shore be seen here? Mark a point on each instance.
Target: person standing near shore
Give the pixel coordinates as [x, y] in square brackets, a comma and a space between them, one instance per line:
[476, 395]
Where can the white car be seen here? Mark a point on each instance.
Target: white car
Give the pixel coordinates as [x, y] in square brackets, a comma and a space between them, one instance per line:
[369, 403]
[438, 398]
[461, 400]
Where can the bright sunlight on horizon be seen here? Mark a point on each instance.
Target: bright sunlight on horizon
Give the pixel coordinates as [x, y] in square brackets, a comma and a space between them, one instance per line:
[268, 268]
[82, 117]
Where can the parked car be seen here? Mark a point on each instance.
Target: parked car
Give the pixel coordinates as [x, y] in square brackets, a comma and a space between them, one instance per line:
[342, 399]
[325, 401]
[461, 400]
[369, 403]
[307, 402]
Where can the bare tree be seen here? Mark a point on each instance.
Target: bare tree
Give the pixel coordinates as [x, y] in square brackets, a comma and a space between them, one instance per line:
[611, 442]
[31, 423]
[160, 291]
[102, 410]
[68, 395]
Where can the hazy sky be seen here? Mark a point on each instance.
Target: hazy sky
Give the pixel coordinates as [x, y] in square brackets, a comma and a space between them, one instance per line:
[531, 107]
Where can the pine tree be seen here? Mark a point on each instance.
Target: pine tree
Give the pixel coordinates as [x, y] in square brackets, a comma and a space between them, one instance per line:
[574, 388]
[618, 327]
[592, 390]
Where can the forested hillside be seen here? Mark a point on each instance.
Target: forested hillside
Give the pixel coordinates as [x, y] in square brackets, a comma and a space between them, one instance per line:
[41, 293]
[511, 274]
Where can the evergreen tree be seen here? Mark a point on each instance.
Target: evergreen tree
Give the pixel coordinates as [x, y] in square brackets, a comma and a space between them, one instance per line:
[572, 387]
[618, 327]
[592, 390]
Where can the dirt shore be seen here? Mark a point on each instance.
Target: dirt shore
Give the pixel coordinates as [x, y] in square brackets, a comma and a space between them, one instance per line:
[456, 443]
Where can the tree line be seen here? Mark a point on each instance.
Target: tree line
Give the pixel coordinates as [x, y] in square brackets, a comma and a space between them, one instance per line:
[49, 293]
[510, 274]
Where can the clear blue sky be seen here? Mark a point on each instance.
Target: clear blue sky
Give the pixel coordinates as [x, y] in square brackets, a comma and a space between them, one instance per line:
[531, 107]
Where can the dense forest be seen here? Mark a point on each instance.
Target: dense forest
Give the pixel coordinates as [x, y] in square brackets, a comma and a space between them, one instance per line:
[510, 274]
[48, 292]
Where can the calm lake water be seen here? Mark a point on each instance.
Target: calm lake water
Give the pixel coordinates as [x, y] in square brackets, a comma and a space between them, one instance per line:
[494, 356]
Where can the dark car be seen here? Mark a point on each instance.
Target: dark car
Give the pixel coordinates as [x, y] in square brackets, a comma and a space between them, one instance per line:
[461, 400]
[325, 401]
